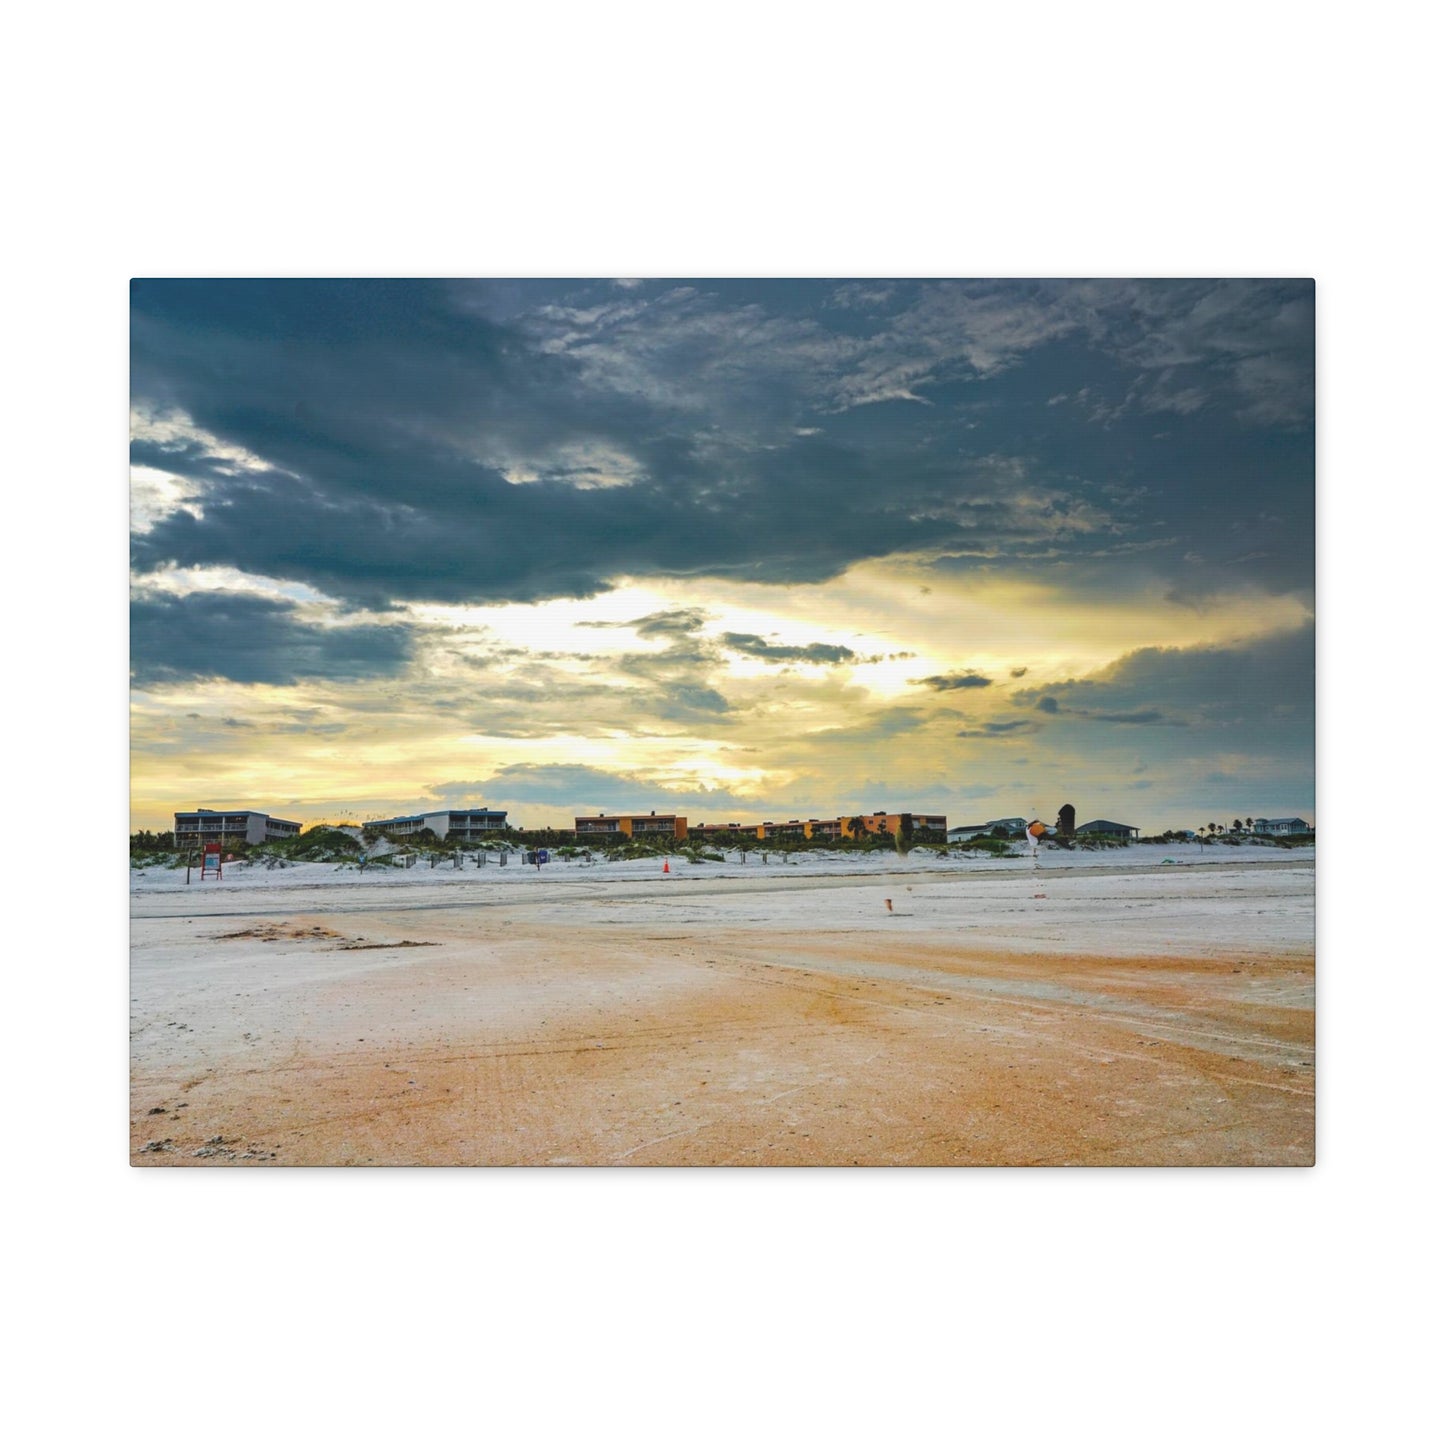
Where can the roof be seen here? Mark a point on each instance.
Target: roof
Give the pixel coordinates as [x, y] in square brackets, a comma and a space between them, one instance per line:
[1105, 823]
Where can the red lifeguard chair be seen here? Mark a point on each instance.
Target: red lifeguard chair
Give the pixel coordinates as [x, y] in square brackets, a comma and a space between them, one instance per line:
[210, 861]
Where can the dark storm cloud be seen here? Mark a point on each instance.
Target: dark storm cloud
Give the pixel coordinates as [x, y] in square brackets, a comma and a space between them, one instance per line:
[1142, 716]
[947, 682]
[816, 652]
[679, 622]
[1055, 708]
[248, 638]
[682, 700]
[429, 440]
[489, 659]
[1018, 728]
[1263, 687]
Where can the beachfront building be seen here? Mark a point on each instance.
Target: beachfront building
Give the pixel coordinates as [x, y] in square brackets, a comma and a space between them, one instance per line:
[1102, 828]
[613, 827]
[807, 828]
[461, 825]
[824, 828]
[722, 834]
[1012, 827]
[1277, 827]
[231, 825]
[793, 830]
[907, 825]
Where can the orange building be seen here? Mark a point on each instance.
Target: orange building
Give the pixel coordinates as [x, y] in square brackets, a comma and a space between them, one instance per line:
[894, 823]
[632, 825]
[713, 831]
[875, 823]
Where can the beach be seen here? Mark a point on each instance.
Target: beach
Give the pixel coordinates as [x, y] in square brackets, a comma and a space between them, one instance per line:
[1139, 1006]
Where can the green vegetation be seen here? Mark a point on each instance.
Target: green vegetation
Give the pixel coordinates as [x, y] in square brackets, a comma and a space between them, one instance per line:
[640, 848]
[147, 850]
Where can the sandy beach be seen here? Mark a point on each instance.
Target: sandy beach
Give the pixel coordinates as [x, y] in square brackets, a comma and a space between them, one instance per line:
[1145, 1006]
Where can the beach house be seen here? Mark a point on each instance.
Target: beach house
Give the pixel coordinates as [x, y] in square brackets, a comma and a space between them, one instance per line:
[1012, 827]
[1102, 828]
[1282, 826]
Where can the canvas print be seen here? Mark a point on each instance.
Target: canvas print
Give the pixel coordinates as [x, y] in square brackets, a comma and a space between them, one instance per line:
[733, 722]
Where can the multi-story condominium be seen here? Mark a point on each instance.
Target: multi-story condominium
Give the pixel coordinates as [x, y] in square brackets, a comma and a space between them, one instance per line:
[605, 827]
[458, 824]
[241, 825]
[908, 823]
[793, 828]
[722, 831]
[895, 823]
[613, 826]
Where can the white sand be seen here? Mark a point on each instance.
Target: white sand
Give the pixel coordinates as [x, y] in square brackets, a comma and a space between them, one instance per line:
[1109, 1007]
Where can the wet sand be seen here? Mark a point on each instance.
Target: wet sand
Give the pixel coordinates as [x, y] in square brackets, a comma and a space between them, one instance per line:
[1149, 1017]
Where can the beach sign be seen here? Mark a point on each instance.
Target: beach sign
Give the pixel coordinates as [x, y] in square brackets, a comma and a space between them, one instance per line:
[210, 860]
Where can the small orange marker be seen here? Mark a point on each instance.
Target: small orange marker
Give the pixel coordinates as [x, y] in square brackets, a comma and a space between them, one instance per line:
[889, 902]
[665, 868]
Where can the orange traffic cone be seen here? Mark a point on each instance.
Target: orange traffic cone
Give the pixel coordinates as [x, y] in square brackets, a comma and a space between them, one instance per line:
[665, 868]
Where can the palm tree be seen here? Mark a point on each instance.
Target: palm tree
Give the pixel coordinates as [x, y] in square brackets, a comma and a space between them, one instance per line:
[1237, 826]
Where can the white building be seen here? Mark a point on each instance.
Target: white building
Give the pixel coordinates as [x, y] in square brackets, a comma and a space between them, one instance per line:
[212, 825]
[1011, 826]
[458, 824]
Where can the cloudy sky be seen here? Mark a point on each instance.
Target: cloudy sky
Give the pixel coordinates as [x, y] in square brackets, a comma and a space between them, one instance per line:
[745, 549]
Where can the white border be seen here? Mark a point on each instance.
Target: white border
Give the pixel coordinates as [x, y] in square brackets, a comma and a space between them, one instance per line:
[1113, 141]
